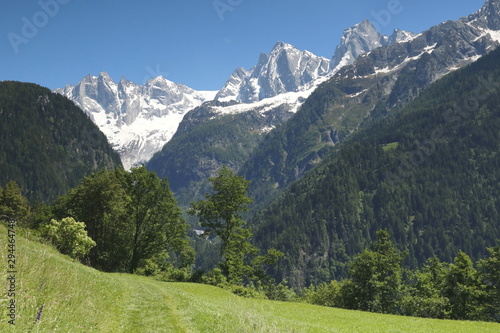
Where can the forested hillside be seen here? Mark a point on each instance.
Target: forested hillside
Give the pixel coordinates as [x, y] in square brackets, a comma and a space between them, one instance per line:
[429, 174]
[47, 144]
[378, 83]
[206, 140]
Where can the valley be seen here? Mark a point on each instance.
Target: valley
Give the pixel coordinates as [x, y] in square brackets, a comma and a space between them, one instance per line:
[357, 192]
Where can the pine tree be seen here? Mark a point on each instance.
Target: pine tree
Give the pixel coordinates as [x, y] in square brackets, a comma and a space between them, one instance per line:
[464, 289]
[377, 276]
[13, 205]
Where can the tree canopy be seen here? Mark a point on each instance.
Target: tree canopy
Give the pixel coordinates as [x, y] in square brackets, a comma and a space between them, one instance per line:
[132, 216]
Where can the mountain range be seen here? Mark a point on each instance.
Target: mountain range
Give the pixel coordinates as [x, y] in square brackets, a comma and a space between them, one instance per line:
[428, 174]
[313, 121]
[140, 119]
[376, 85]
[137, 119]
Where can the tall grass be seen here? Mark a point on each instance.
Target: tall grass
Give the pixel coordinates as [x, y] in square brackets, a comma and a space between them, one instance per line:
[210, 309]
[57, 294]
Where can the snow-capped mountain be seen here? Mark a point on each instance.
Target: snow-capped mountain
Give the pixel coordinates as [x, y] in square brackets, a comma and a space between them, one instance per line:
[285, 69]
[362, 38]
[488, 17]
[137, 119]
[140, 119]
[435, 52]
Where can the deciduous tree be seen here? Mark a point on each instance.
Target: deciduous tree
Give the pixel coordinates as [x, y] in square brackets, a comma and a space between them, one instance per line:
[69, 236]
[489, 269]
[220, 214]
[156, 220]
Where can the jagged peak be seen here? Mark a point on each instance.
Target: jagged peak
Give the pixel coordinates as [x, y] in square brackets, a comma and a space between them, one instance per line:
[89, 78]
[488, 17]
[363, 26]
[240, 70]
[400, 36]
[104, 75]
[282, 45]
[356, 40]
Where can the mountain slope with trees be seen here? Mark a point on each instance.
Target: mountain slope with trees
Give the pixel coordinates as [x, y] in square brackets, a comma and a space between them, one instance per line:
[427, 174]
[206, 140]
[47, 144]
[379, 82]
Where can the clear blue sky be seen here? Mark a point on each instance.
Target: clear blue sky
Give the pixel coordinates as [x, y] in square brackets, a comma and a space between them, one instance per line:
[56, 42]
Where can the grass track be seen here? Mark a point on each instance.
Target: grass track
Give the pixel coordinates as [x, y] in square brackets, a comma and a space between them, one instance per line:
[77, 298]
[147, 307]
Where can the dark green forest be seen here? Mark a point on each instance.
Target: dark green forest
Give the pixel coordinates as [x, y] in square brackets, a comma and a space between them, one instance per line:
[429, 174]
[205, 141]
[47, 144]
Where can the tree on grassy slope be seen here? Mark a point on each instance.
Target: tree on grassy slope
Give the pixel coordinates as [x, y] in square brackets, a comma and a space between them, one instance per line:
[220, 213]
[377, 276]
[13, 205]
[69, 237]
[156, 221]
[100, 201]
[464, 289]
[490, 272]
[424, 291]
[132, 216]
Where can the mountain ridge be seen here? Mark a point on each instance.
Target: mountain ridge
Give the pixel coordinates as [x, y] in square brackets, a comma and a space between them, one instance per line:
[140, 119]
[137, 119]
[47, 144]
[377, 83]
[427, 174]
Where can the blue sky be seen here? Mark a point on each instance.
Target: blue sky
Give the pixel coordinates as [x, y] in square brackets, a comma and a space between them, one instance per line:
[198, 43]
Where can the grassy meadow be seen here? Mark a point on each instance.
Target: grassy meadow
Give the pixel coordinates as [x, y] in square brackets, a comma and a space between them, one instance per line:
[57, 294]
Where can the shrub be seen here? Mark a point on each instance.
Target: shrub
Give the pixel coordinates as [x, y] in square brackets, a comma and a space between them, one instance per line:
[68, 236]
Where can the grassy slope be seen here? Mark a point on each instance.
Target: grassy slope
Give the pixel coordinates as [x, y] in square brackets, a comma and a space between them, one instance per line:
[76, 298]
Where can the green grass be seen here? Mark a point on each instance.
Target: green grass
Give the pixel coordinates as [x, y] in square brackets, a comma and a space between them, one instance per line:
[76, 298]
[390, 146]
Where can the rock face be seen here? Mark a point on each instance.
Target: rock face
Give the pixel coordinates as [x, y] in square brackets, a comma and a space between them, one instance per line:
[488, 17]
[137, 119]
[362, 38]
[285, 69]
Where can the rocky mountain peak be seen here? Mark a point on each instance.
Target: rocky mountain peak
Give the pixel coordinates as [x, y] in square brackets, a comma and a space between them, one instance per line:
[362, 38]
[400, 36]
[137, 119]
[356, 40]
[488, 17]
[284, 69]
